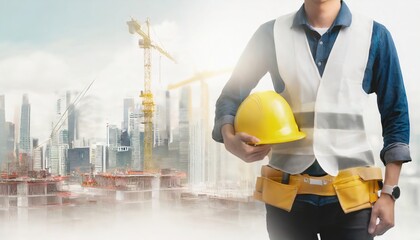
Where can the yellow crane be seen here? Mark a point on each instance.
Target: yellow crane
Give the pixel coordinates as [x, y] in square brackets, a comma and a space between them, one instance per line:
[146, 43]
[201, 77]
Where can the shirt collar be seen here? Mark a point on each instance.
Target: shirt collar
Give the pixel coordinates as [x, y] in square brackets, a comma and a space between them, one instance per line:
[344, 17]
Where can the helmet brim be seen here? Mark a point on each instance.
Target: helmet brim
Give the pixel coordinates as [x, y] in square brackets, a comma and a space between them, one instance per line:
[282, 139]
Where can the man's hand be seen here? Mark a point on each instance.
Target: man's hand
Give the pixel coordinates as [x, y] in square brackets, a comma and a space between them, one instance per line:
[239, 145]
[384, 211]
[384, 207]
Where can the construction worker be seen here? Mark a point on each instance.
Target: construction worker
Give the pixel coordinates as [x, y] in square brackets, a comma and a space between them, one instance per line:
[325, 61]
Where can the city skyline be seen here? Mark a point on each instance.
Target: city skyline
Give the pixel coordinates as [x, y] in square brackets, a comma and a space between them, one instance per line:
[50, 53]
[57, 55]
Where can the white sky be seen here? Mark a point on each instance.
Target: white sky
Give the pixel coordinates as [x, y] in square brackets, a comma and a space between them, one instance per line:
[50, 46]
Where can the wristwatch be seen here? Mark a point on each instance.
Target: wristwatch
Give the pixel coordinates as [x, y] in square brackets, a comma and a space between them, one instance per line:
[393, 191]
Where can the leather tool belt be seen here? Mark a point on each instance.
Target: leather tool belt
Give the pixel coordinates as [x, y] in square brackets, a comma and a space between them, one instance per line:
[355, 188]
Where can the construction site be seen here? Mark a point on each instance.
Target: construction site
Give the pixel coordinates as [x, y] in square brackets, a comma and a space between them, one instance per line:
[190, 171]
[157, 175]
[28, 192]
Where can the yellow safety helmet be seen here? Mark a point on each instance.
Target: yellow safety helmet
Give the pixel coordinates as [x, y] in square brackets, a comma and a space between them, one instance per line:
[267, 116]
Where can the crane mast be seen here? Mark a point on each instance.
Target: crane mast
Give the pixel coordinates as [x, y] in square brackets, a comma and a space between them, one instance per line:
[148, 103]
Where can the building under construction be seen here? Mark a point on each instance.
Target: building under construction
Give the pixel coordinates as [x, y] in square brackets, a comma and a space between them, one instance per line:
[135, 186]
[31, 192]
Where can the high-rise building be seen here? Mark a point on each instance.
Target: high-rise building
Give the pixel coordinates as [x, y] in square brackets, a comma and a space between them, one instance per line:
[47, 158]
[54, 155]
[160, 126]
[72, 121]
[184, 128]
[10, 141]
[25, 127]
[136, 133]
[128, 107]
[113, 142]
[58, 161]
[79, 160]
[37, 157]
[58, 158]
[97, 157]
[168, 116]
[3, 136]
[73, 125]
[196, 166]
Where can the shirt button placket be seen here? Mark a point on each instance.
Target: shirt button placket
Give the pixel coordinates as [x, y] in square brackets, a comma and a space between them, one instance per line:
[319, 51]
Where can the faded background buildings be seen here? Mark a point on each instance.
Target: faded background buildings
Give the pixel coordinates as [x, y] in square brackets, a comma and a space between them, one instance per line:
[50, 51]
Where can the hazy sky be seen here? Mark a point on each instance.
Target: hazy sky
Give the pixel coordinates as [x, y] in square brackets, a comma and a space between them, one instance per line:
[50, 46]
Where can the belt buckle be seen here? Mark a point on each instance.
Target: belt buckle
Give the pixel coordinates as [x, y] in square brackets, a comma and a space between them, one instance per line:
[313, 181]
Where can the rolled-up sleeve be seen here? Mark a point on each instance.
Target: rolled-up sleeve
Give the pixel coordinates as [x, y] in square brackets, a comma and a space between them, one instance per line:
[257, 59]
[387, 82]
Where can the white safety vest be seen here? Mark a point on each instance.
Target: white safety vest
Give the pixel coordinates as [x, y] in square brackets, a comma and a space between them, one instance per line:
[329, 109]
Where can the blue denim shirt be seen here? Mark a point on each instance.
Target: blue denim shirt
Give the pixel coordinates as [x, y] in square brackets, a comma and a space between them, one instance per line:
[382, 76]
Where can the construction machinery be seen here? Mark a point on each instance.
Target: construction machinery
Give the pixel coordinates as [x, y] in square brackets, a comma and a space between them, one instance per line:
[204, 92]
[146, 43]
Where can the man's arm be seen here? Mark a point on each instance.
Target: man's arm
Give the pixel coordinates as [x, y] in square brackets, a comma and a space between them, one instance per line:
[257, 59]
[388, 84]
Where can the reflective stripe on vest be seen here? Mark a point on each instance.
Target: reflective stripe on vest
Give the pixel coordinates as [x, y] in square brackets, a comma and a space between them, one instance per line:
[328, 109]
[343, 121]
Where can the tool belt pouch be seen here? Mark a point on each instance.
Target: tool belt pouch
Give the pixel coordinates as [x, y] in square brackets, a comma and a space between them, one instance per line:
[357, 192]
[272, 192]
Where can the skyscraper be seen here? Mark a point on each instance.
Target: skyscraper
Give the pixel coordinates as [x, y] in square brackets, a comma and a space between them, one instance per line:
[72, 121]
[25, 127]
[3, 135]
[97, 157]
[184, 129]
[137, 138]
[128, 107]
[37, 158]
[10, 141]
[112, 144]
[73, 125]
[59, 138]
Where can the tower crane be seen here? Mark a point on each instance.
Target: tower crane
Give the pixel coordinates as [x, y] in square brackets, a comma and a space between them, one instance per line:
[146, 43]
[200, 77]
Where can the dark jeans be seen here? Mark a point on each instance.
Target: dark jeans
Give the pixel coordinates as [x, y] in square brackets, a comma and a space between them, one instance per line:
[306, 220]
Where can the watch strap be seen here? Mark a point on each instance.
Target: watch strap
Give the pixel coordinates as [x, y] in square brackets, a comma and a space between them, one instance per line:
[388, 189]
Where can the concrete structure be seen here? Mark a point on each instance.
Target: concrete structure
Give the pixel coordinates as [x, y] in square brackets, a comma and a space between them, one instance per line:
[136, 186]
[30, 192]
